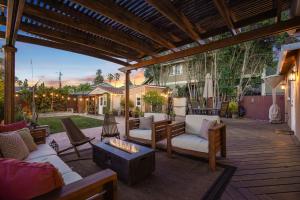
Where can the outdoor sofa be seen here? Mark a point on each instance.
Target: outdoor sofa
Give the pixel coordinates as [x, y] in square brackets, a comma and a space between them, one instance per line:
[184, 137]
[151, 136]
[75, 187]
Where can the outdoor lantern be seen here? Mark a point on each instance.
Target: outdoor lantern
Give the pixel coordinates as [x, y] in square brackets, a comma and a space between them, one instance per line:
[282, 86]
[292, 76]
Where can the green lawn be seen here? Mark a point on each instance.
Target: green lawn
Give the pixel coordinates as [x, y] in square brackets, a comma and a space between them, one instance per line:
[82, 122]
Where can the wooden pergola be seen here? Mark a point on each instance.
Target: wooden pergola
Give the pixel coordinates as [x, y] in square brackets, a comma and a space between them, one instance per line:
[136, 33]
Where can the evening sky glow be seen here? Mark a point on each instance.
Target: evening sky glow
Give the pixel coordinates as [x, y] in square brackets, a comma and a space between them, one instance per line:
[76, 68]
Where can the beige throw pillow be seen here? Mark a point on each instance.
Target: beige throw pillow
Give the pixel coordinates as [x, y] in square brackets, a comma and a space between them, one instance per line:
[146, 123]
[13, 146]
[205, 126]
[27, 138]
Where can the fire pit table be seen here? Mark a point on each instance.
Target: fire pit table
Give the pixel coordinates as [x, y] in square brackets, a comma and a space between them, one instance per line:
[130, 161]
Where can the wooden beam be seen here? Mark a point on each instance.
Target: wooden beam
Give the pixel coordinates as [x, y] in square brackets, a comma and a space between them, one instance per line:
[177, 17]
[277, 4]
[274, 29]
[127, 88]
[78, 39]
[13, 19]
[225, 13]
[89, 25]
[67, 47]
[117, 13]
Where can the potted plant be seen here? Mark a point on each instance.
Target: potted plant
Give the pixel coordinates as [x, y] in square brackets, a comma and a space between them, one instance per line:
[154, 99]
[233, 108]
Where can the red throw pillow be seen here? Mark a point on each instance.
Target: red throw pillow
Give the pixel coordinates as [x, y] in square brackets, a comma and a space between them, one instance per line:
[13, 127]
[22, 180]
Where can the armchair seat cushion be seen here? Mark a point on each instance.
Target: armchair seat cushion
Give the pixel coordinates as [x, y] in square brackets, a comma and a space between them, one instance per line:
[190, 142]
[140, 133]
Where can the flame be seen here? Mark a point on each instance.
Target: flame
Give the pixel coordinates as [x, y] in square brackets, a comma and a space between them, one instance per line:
[131, 148]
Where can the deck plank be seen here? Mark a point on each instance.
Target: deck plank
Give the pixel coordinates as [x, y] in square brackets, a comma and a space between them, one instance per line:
[268, 164]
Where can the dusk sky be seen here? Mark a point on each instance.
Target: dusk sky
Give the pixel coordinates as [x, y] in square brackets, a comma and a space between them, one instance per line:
[47, 62]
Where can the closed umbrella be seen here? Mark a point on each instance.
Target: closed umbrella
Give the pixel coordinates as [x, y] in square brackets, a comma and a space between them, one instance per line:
[208, 86]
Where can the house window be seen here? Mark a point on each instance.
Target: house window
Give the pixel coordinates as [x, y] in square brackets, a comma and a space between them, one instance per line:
[176, 70]
[138, 102]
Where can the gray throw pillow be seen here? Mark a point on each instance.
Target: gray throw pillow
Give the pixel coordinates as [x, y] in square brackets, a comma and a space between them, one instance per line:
[205, 126]
[146, 123]
[13, 146]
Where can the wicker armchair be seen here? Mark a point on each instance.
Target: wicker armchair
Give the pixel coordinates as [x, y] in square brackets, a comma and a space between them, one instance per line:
[157, 133]
[181, 138]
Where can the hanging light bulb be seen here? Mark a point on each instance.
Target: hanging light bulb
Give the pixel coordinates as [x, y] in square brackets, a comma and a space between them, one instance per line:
[68, 98]
[35, 96]
[74, 99]
[44, 95]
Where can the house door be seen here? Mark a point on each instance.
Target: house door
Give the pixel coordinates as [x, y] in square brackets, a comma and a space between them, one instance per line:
[101, 101]
[293, 110]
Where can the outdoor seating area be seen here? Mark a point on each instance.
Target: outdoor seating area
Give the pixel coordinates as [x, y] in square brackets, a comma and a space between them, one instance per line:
[206, 104]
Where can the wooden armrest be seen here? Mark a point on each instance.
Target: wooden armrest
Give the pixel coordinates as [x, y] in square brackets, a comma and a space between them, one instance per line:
[176, 129]
[159, 130]
[39, 135]
[133, 123]
[103, 183]
[217, 139]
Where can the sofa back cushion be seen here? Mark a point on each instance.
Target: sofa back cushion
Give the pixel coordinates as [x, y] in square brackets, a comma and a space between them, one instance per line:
[13, 127]
[22, 180]
[27, 138]
[193, 122]
[146, 123]
[13, 146]
[157, 116]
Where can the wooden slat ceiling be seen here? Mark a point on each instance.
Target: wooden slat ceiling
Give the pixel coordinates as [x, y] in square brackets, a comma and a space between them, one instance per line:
[133, 30]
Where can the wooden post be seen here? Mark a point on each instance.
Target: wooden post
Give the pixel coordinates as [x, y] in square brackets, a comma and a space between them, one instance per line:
[127, 80]
[9, 83]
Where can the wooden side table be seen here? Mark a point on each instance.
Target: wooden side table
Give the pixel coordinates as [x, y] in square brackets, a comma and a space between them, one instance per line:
[39, 135]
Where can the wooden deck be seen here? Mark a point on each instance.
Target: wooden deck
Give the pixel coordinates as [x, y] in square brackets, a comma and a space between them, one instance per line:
[268, 164]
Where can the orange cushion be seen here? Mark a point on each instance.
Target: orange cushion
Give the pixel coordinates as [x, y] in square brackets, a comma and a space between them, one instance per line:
[22, 180]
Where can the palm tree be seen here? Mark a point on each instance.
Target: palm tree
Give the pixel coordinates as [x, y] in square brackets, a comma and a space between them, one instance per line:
[110, 77]
[117, 78]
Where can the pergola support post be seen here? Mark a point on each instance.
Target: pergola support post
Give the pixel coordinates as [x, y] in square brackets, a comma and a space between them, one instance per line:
[127, 81]
[9, 83]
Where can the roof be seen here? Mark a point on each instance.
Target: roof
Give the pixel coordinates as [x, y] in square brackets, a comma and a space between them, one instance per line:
[287, 57]
[126, 31]
[103, 88]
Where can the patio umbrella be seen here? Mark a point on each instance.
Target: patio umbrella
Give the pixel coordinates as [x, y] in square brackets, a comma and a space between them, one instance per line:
[208, 86]
[274, 111]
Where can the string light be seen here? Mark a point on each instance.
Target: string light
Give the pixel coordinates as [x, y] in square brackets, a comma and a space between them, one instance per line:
[56, 95]
[74, 99]
[68, 98]
[51, 93]
[62, 97]
[44, 95]
[35, 96]
[93, 99]
[17, 95]
[80, 99]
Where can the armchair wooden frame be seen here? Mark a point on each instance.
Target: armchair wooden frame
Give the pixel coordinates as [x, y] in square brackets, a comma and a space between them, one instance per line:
[101, 185]
[159, 132]
[216, 142]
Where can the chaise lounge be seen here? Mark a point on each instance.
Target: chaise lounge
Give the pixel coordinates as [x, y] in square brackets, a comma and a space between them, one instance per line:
[151, 136]
[185, 138]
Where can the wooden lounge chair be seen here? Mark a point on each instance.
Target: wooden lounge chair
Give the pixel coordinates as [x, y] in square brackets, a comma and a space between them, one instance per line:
[75, 135]
[157, 133]
[183, 137]
[110, 128]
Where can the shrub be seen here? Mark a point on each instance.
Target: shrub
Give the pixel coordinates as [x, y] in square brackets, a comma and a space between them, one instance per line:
[233, 107]
[154, 99]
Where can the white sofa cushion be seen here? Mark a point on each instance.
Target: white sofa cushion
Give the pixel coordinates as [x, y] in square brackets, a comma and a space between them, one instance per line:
[55, 161]
[190, 142]
[157, 116]
[42, 151]
[193, 122]
[71, 177]
[140, 133]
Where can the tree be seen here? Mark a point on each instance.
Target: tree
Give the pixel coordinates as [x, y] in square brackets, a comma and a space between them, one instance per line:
[117, 78]
[154, 72]
[110, 77]
[155, 100]
[99, 78]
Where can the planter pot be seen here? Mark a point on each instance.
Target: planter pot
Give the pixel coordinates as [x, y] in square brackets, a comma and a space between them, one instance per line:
[234, 115]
